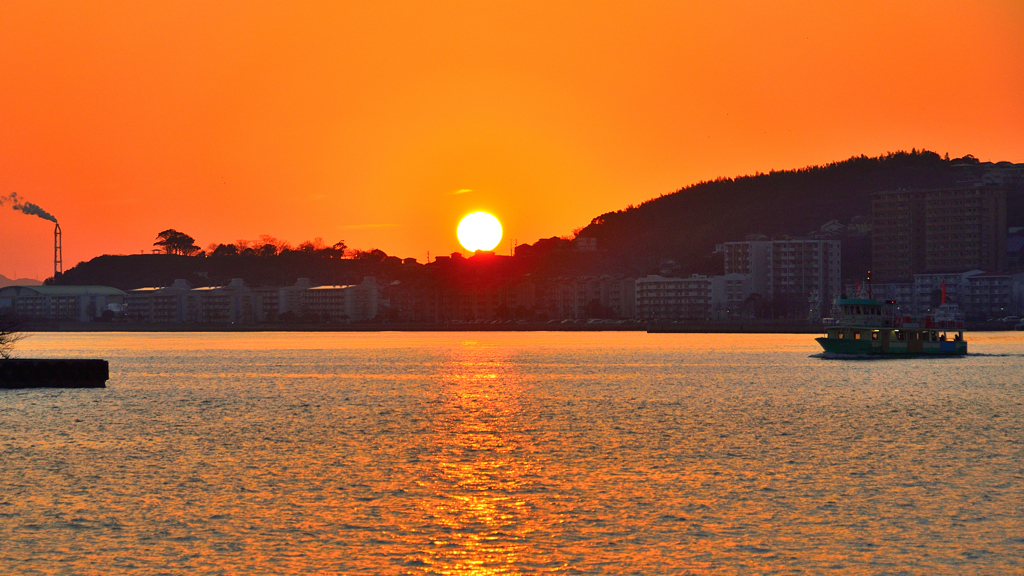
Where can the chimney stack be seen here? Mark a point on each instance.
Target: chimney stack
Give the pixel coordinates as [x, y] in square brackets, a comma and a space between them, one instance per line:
[58, 265]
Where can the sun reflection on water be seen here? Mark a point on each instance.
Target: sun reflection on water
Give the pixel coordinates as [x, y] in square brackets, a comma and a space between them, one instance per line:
[481, 465]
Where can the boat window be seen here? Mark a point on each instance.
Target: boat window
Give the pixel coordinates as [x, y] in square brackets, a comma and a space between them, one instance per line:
[856, 335]
[874, 335]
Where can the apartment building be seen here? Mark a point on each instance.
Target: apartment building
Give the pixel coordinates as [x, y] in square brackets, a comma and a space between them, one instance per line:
[272, 302]
[349, 303]
[801, 269]
[571, 297]
[174, 303]
[231, 304]
[679, 299]
[729, 295]
[750, 257]
[935, 231]
[77, 303]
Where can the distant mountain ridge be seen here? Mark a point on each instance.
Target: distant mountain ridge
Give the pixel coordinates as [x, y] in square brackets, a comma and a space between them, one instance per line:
[5, 281]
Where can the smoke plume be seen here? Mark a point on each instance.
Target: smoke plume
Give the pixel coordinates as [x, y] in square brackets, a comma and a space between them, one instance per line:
[27, 207]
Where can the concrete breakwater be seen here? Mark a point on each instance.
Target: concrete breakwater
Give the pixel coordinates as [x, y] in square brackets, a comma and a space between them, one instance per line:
[53, 373]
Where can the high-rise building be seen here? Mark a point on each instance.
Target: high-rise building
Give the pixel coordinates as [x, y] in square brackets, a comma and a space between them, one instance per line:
[750, 257]
[810, 269]
[931, 231]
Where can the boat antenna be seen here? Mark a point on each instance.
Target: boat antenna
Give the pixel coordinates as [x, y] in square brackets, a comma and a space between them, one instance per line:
[870, 294]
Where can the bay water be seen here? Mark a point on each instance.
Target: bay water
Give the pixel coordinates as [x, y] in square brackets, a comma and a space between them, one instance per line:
[513, 453]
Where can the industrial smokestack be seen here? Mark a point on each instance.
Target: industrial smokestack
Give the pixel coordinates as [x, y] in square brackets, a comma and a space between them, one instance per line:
[34, 210]
[58, 263]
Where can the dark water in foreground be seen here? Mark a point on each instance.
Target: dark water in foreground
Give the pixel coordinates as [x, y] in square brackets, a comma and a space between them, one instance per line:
[506, 453]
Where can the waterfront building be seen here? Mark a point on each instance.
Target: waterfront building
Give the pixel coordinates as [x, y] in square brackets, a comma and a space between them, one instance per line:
[729, 296]
[77, 303]
[174, 303]
[928, 289]
[349, 303]
[992, 295]
[229, 304]
[679, 299]
[272, 302]
[578, 297]
[980, 295]
[902, 293]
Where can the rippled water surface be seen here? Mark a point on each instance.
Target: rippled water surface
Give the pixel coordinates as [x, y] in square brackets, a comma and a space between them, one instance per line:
[506, 453]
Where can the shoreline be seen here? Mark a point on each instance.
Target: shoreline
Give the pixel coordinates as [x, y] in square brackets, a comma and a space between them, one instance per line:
[761, 327]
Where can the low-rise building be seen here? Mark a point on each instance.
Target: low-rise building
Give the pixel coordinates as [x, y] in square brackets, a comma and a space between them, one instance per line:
[729, 295]
[929, 289]
[679, 299]
[349, 303]
[994, 295]
[229, 304]
[579, 297]
[902, 293]
[78, 303]
[273, 302]
[174, 303]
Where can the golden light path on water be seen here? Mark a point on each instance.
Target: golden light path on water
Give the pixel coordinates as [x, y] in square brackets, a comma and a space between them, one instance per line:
[513, 453]
[482, 467]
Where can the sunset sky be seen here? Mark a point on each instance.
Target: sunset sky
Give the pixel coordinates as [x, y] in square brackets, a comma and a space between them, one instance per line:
[362, 121]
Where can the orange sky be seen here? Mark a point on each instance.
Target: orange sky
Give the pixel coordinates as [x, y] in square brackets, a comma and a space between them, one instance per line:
[359, 122]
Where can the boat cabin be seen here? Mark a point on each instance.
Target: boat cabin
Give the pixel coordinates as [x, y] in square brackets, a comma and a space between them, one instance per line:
[870, 326]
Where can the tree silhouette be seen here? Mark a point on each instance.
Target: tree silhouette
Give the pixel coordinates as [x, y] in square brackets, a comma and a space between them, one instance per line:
[225, 250]
[174, 242]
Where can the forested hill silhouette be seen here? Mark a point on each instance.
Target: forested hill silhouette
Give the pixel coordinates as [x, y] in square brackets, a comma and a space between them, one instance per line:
[685, 226]
[139, 270]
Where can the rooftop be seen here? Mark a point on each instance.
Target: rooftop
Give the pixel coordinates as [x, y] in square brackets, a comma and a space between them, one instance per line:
[62, 290]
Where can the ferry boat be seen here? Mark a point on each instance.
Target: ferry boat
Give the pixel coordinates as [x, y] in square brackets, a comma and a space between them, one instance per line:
[865, 326]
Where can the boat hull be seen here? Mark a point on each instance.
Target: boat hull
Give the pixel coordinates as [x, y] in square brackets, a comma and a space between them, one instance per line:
[849, 346]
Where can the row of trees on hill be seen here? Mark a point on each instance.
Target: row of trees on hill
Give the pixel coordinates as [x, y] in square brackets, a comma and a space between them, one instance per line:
[177, 243]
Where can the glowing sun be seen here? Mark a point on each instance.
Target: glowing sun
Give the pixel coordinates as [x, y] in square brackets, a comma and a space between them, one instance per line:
[479, 231]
